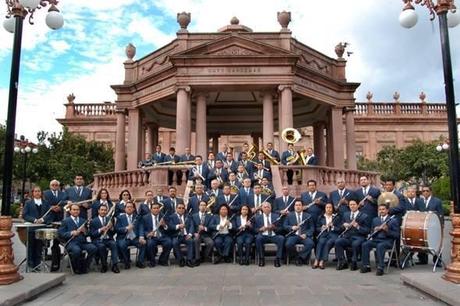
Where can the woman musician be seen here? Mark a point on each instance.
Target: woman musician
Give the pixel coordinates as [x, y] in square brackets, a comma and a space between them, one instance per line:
[245, 234]
[124, 198]
[102, 198]
[328, 228]
[223, 240]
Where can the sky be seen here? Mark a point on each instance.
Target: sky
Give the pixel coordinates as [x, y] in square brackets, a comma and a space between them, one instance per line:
[86, 56]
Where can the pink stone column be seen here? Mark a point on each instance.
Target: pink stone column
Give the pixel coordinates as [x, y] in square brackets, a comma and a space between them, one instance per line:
[134, 138]
[267, 118]
[149, 141]
[351, 142]
[120, 146]
[337, 159]
[183, 119]
[319, 143]
[287, 119]
[201, 132]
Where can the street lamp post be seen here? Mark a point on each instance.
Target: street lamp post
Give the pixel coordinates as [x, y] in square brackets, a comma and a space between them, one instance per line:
[448, 16]
[17, 10]
[25, 149]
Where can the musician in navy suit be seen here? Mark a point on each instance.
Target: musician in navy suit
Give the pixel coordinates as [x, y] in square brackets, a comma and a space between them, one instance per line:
[328, 228]
[222, 225]
[232, 200]
[170, 204]
[341, 196]
[214, 190]
[74, 231]
[314, 199]
[288, 158]
[101, 233]
[171, 159]
[399, 210]
[123, 198]
[412, 201]
[433, 204]
[367, 196]
[158, 157]
[255, 201]
[284, 201]
[243, 224]
[181, 229]
[247, 164]
[262, 160]
[246, 192]
[153, 232]
[222, 155]
[218, 173]
[385, 230]
[202, 233]
[266, 226]
[200, 171]
[242, 174]
[102, 198]
[260, 173]
[57, 198]
[272, 151]
[187, 156]
[128, 229]
[230, 164]
[356, 226]
[310, 158]
[194, 202]
[300, 227]
[159, 198]
[35, 211]
[79, 193]
[233, 182]
[144, 207]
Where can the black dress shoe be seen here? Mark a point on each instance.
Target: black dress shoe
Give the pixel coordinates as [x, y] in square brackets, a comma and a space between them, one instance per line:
[342, 266]
[104, 268]
[152, 264]
[277, 263]
[127, 265]
[190, 264]
[246, 262]
[299, 262]
[140, 265]
[182, 263]
[115, 269]
[217, 260]
[197, 263]
[353, 266]
[261, 262]
[365, 269]
[227, 259]
[379, 272]
[163, 263]
[421, 263]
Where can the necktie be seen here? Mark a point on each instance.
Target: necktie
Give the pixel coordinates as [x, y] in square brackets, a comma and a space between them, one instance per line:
[383, 219]
[299, 219]
[352, 216]
[202, 219]
[182, 222]
[270, 232]
[285, 201]
[426, 203]
[247, 191]
[341, 193]
[226, 199]
[364, 192]
[56, 194]
[76, 221]
[174, 204]
[258, 201]
[199, 198]
[103, 220]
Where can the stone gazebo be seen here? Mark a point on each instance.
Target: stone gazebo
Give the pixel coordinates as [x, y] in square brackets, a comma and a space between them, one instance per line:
[233, 81]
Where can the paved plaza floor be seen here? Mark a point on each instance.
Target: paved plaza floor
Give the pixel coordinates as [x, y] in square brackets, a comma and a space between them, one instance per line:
[229, 284]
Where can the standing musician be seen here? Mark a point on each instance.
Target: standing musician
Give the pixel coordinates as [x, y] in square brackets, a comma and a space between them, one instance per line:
[272, 151]
[231, 200]
[222, 155]
[172, 159]
[355, 228]
[281, 203]
[199, 171]
[102, 232]
[242, 174]
[57, 198]
[159, 198]
[233, 182]
[79, 193]
[218, 173]
[124, 198]
[288, 158]
[385, 230]
[246, 192]
[194, 202]
[245, 234]
[267, 187]
[261, 159]
[158, 157]
[400, 210]
[214, 191]
[314, 200]
[229, 163]
[128, 230]
[300, 227]
[328, 228]
[310, 158]
[74, 230]
[255, 202]
[102, 198]
[211, 162]
[153, 233]
[222, 224]
[266, 227]
[34, 212]
[341, 196]
[367, 197]
[261, 173]
[248, 166]
[144, 207]
[412, 201]
[181, 228]
[245, 150]
[202, 233]
[171, 203]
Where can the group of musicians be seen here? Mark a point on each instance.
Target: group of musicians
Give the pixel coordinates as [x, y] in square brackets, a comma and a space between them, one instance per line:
[232, 205]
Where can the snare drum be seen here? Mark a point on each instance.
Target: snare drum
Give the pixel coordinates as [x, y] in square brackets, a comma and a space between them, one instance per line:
[46, 234]
[422, 230]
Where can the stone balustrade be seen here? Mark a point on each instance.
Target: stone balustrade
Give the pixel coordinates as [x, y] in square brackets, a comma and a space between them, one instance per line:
[398, 109]
[91, 110]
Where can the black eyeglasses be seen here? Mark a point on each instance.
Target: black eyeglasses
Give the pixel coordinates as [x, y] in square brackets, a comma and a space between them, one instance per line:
[426, 190]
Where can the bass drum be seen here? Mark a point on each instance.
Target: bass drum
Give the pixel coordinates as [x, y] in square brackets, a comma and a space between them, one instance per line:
[422, 230]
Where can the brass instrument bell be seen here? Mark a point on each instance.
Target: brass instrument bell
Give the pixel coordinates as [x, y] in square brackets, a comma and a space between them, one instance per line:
[388, 198]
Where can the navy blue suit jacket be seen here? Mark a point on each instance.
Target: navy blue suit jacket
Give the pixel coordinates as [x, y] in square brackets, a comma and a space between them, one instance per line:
[173, 159]
[237, 224]
[434, 205]
[174, 220]
[67, 226]
[259, 222]
[264, 198]
[274, 154]
[235, 208]
[416, 206]
[363, 221]
[336, 224]
[168, 208]
[244, 196]
[194, 203]
[94, 227]
[73, 196]
[122, 223]
[96, 205]
[334, 197]
[368, 207]
[213, 175]
[233, 167]
[279, 204]
[207, 223]
[184, 158]
[158, 158]
[308, 227]
[391, 234]
[31, 213]
[60, 200]
[285, 155]
[313, 161]
[146, 226]
[204, 173]
[316, 209]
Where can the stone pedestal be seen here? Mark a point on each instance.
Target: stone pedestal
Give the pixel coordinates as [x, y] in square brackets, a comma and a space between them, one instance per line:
[8, 270]
[453, 269]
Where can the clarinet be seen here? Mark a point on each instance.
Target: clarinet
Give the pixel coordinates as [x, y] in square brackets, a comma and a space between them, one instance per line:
[217, 233]
[79, 229]
[299, 225]
[379, 228]
[334, 216]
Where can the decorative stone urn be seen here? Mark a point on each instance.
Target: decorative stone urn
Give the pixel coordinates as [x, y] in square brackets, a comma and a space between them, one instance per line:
[369, 96]
[183, 19]
[422, 96]
[396, 96]
[284, 18]
[130, 51]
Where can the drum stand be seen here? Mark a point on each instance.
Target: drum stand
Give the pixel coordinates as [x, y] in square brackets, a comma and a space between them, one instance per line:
[43, 266]
[426, 250]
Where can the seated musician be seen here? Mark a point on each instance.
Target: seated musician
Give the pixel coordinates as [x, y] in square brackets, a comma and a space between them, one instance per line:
[314, 200]
[300, 227]
[57, 198]
[194, 201]
[153, 233]
[202, 233]
[215, 189]
[341, 196]
[328, 228]
[248, 167]
[385, 230]
[243, 224]
[37, 211]
[231, 200]
[144, 207]
[267, 187]
[181, 229]
[74, 231]
[124, 197]
[102, 232]
[355, 229]
[159, 198]
[260, 173]
[102, 198]
[222, 225]
[128, 229]
[265, 163]
[229, 163]
[266, 227]
[241, 174]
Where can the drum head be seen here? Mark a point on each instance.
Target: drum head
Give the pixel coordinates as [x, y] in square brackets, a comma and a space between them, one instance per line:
[433, 231]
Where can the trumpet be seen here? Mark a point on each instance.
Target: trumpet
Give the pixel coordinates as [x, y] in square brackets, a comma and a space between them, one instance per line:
[67, 206]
